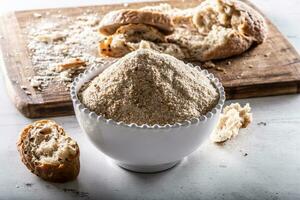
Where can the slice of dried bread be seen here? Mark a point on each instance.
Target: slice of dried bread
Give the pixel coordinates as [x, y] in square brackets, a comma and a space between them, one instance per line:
[49, 152]
[113, 20]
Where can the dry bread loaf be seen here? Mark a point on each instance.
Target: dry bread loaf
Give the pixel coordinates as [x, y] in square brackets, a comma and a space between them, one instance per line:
[49, 152]
[215, 29]
[113, 20]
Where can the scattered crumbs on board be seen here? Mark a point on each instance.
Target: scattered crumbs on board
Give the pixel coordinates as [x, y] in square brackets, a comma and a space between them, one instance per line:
[37, 15]
[244, 154]
[266, 55]
[28, 93]
[55, 40]
[209, 65]
[221, 69]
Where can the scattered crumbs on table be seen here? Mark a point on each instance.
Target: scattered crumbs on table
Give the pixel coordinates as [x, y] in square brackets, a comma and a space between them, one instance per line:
[267, 54]
[17, 186]
[238, 76]
[76, 192]
[28, 184]
[228, 63]
[262, 124]
[35, 83]
[250, 66]
[245, 154]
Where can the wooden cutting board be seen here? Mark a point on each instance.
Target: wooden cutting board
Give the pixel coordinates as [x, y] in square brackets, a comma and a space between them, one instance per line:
[272, 68]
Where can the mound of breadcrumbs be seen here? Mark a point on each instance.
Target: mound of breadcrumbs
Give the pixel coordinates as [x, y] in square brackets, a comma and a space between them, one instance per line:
[146, 87]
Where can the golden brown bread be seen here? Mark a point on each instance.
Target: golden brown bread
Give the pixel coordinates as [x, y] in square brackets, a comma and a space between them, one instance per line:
[47, 151]
[113, 20]
[215, 29]
[119, 44]
[225, 28]
[230, 14]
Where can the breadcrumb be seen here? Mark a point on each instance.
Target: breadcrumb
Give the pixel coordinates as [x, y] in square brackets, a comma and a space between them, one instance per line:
[233, 118]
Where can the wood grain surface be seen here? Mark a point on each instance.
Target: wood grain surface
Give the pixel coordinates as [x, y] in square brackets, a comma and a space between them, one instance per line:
[272, 68]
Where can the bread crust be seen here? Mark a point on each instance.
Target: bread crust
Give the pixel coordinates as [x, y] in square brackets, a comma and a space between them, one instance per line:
[234, 45]
[255, 25]
[252, 24]
[252, 30]
[119, 44]
[113, 20]
[65, 171]
[216, 29]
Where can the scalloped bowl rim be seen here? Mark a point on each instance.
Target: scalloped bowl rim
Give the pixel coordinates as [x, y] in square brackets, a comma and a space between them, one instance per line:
[76, 102]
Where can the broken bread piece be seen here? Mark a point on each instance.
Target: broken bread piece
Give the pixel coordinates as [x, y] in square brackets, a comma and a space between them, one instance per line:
[118, 44]
[71, 63]
[233, 118]
[48, 152]
[215, 29]
[115, 19]
[231, 14]
[220, 29]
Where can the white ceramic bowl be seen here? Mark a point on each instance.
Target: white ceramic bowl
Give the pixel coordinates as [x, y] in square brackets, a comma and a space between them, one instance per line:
[144, 148]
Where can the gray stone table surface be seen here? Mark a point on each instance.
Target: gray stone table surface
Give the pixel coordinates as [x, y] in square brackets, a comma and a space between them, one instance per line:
[271, 170]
